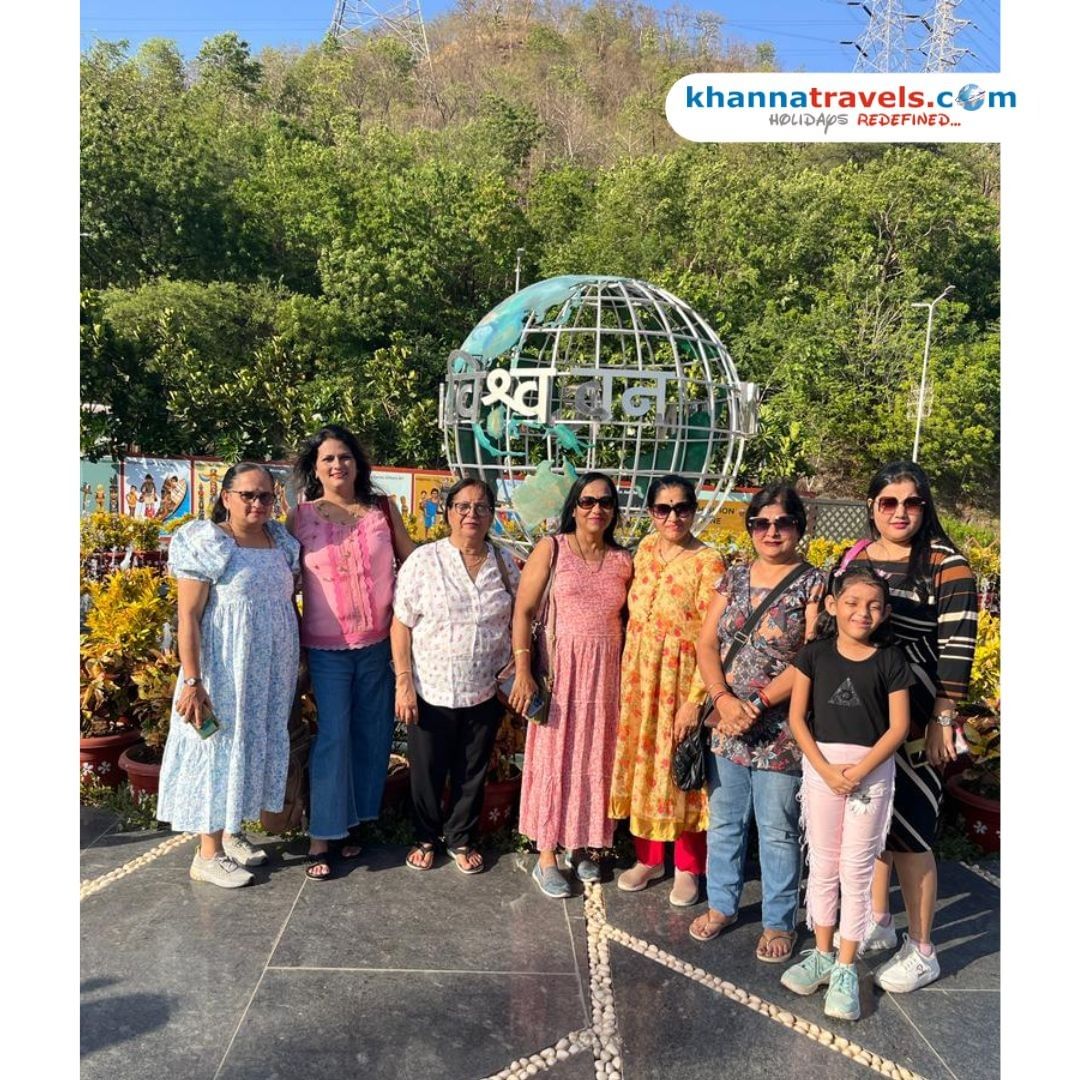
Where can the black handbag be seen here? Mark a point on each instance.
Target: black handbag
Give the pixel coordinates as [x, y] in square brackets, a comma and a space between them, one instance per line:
[688, 759]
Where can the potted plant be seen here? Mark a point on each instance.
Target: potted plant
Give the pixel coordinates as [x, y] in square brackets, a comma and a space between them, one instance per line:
[144, 538]
[124, 620]
[976, 790]
[102, 543]
[155, 682]
[503, 787]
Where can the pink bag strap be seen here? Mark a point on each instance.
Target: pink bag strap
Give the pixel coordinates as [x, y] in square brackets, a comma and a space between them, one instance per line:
[852, 554]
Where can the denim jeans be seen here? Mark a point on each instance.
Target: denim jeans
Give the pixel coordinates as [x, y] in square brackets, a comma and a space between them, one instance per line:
[735, 791]
[354, 692]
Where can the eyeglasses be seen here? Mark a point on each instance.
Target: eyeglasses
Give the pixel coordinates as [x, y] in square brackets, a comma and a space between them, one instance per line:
[587, 502]
[680, 510]
[263, 498]
[465, 508]
[888, 503]
[783, 523]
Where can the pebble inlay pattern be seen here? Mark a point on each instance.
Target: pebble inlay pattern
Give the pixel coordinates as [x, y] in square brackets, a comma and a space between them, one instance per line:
[93, 885]
[984, 874]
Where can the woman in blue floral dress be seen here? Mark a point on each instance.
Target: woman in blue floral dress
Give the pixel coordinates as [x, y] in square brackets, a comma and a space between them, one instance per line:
[239, 649]
[756, 765]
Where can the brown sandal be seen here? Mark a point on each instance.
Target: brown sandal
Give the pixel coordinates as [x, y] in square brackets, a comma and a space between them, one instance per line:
[767, 938]
[711, 924]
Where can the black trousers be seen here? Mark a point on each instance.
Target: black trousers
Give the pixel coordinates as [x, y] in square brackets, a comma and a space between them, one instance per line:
[457, 742]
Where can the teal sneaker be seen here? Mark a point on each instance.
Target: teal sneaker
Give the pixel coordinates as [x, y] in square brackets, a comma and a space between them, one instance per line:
[842, 997]
[807, 975]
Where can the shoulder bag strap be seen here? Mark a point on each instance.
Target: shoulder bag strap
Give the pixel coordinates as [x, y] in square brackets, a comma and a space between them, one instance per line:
[742, 636]
[852, 554]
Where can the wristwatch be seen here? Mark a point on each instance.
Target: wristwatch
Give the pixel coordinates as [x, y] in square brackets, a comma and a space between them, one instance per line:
[193, 680]
[946, 718]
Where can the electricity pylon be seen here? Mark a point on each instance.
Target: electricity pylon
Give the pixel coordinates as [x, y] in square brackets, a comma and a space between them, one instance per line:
[404, 20]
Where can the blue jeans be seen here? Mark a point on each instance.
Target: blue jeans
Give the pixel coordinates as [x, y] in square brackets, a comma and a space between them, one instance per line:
[735, 791]
[354, 691]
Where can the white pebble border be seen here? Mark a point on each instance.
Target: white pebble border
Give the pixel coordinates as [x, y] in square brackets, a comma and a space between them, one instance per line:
[774, 1012]
[602, 1037]
[984, 874]
[93, 885]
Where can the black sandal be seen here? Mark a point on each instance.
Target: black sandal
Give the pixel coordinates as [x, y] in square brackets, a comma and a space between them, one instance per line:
[338, 848]
[323, 858]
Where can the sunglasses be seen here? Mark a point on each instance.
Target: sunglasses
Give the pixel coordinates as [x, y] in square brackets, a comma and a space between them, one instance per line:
[605, 502]
[263, 498]
[761, 525]
[888, 503]
[680, 510]
[464, 508]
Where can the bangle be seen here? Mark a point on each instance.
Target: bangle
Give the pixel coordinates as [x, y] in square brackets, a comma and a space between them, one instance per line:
[764, 700]
[518, 652]
[720, 693]
[407, 671]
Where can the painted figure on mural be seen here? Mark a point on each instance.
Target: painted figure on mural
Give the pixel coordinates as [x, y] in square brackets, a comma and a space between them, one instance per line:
[114, 496]
[99, 498]
[202, 501]
[84, 501]
[132, 500]
[431, 509]
[281, 500]
[148, 496]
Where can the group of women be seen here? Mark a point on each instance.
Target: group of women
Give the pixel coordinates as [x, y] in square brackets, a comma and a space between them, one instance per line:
[640, 644]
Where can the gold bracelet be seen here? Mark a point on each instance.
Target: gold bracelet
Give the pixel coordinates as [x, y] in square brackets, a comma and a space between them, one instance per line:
[518, 652]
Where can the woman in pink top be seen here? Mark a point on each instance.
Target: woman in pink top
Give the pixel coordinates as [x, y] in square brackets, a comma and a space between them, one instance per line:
[569, 760]
[351, 540]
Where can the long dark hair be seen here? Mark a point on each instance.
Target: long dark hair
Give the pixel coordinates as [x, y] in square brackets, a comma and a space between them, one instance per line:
[930, 528]
[308, 454]
[567, 524]
[217, 512]
[839, 580]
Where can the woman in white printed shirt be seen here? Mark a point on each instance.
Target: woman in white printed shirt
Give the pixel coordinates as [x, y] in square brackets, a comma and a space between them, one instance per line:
[450, 638]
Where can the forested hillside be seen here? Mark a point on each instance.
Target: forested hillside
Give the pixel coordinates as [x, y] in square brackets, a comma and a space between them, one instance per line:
[273, 241]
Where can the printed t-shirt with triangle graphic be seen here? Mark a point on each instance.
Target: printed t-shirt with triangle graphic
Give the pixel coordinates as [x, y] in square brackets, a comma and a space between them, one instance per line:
[850, 698]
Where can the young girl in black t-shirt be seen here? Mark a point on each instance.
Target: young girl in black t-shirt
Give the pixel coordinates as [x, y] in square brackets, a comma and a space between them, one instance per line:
[858, 687]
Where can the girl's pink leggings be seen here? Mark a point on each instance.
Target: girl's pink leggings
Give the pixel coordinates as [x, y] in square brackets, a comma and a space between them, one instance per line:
[689, 851]
[845, 834]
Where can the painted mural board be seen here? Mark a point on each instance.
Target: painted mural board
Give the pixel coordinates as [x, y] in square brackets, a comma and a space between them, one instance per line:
[397, 484]
[157, 488]
[428, 500]
[99, 487]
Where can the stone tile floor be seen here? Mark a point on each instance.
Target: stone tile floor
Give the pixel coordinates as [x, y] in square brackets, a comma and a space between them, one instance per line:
[386, 972]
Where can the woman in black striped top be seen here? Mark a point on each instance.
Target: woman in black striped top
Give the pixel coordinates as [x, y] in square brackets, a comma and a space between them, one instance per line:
[934, 617]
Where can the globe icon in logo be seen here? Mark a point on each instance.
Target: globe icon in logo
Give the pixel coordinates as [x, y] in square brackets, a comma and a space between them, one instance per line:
[971, 97]
[589, 372]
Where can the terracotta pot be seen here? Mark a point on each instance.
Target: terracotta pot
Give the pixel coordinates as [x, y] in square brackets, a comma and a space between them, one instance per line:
[980, 817]
[500, 803]
[142, 775]
[396, 791]
[99, 757]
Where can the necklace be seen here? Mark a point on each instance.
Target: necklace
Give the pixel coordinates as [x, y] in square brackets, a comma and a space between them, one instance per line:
[679, 551]
[355, 510]
[588, 562]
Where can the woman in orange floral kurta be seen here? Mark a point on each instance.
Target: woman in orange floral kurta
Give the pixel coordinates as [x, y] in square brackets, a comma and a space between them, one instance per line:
[674, 579]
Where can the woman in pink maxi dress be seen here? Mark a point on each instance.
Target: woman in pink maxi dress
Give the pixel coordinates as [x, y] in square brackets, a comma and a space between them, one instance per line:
[569, 760]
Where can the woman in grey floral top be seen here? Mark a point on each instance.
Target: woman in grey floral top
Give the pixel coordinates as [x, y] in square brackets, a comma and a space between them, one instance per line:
[756, 765]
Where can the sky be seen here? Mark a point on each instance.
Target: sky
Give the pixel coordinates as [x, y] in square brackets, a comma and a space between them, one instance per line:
[806, 34]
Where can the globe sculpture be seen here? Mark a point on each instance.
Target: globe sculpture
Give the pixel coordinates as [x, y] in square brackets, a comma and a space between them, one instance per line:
[585, 372]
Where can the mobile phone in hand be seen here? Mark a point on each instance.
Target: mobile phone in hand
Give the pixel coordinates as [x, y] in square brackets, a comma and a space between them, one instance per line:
[209, 725]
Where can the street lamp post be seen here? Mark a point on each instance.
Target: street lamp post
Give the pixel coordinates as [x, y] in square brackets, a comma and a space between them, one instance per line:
[517, 270]
[925, 363]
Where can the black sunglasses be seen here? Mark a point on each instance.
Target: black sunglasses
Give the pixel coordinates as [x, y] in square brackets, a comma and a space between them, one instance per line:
[587, 502]
[263, 498]
[681, 510]
[888, 503]
[783, 523]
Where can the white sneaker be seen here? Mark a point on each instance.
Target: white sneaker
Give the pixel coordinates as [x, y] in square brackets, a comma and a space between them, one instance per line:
[220, 870]
[878, 939]
[241, 850]
[907, 970]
